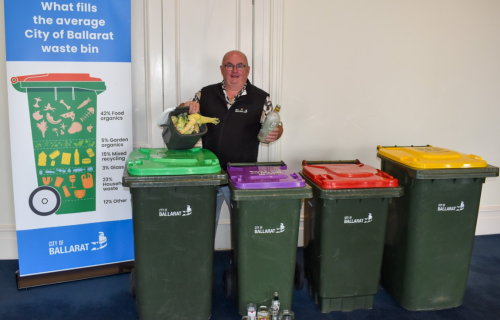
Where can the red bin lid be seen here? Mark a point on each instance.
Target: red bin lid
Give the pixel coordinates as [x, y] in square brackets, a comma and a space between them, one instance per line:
[80, 77]
[347, 175]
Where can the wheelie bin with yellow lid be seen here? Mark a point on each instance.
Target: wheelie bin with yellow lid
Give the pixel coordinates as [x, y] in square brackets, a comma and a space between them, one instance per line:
[431, 229]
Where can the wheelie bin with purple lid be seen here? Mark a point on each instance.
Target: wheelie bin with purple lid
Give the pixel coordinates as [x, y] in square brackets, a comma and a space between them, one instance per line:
[266, 200]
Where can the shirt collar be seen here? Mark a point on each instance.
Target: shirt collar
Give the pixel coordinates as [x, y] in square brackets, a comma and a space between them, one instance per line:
[242, 92]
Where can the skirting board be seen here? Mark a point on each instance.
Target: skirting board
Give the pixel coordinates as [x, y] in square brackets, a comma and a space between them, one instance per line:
[488, 222]
[8, 243]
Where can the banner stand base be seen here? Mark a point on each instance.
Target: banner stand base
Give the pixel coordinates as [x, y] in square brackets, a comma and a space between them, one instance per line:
[72, 275]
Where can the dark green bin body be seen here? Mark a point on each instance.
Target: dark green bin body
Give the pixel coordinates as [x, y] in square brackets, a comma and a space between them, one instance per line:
[174, 254]
[427, 251]
[342, 255]
[264, 263]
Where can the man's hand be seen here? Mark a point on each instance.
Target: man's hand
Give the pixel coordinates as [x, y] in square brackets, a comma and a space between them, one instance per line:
[194, 107]
[275, 134]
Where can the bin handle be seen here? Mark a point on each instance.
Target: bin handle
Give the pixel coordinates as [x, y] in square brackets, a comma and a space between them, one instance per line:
[395, 146]
[253, 164]
[316, 162]
[473, 156]
[182, 108]
[409, 159]
[163, 119]
[384, 174]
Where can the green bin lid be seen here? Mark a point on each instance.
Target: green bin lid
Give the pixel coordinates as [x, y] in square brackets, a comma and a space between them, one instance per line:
[163, 162]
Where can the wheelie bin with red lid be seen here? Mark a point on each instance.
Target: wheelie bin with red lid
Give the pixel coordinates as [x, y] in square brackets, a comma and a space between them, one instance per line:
[344, 229]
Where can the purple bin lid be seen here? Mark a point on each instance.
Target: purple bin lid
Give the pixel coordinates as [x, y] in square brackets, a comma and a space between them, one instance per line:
[263, 175]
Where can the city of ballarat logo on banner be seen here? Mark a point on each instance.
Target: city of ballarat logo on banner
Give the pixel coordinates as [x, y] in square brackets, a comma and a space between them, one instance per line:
[59, 247]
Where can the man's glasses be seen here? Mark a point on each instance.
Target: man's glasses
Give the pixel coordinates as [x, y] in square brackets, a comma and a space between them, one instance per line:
[230, 66]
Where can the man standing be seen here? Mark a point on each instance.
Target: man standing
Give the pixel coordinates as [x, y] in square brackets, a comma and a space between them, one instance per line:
[241, 107]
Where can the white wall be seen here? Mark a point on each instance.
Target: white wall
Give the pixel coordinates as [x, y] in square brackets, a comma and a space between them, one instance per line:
[358, 74]
[8, 245]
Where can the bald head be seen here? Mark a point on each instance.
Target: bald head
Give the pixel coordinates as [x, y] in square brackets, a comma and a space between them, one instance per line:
[235, 53]
[235, 78]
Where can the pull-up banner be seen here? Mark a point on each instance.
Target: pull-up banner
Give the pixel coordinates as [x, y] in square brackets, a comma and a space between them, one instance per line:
[70, 108]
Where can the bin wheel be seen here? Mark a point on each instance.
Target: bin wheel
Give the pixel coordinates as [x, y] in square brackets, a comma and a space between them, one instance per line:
[299, 276]
[227, 280]
[44, 201]
[132, 282]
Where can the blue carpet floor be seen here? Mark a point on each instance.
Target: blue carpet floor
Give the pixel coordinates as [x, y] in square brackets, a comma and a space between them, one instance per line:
[109, 297]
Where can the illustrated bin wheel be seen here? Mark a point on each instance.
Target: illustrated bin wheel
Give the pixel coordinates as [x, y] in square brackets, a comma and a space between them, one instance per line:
[44, 201]
[227, 280]
[299, 276]
[132, 282]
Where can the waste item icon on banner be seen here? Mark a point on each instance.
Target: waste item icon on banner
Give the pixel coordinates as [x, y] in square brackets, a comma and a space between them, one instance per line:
[62, 108]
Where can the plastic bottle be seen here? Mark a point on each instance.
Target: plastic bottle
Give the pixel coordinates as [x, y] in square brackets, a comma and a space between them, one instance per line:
[77, 157]
[270, 122]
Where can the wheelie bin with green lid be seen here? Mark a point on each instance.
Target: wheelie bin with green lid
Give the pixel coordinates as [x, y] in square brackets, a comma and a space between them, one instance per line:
[266, 200]
[173, 205]
[62, 109]
[431, 229]
[344, 230]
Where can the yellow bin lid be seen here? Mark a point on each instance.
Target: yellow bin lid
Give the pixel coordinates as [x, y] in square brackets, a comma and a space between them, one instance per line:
[429, 157]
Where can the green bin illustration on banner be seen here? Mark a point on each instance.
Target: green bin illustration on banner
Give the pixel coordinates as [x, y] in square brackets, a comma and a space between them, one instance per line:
[62, 109]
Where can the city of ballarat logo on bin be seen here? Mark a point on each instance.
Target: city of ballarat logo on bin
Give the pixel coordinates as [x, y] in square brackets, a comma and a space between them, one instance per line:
[261, 229]
[444, 207]
[60, 247]
[350, 219]
[163, 212]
